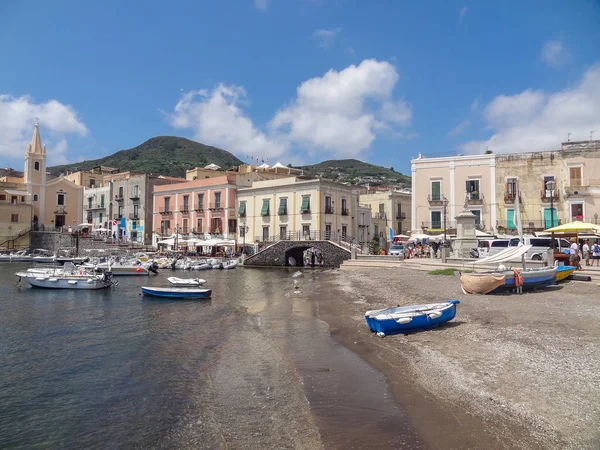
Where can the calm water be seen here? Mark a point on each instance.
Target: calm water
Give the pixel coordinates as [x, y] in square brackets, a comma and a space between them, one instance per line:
[111, 369]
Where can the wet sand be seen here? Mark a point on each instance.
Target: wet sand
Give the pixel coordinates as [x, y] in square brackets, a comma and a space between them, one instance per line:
[510, 371]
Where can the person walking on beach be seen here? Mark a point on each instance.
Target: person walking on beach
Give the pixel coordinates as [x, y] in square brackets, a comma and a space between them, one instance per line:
[596, 254]
[586, 252]
[574, 255]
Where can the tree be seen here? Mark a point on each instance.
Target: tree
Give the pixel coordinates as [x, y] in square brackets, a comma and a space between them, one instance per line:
[392, 168]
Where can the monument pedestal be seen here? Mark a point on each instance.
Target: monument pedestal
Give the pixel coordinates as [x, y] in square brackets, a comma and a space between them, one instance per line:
[466, 238]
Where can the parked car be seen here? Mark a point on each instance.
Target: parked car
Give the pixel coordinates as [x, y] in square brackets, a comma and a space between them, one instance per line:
[489, 247]
[540, 246]
[399, 250]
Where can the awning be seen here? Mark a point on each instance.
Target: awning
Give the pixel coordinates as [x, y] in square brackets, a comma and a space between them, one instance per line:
[305, 204]
[265, 208]
[11, 192]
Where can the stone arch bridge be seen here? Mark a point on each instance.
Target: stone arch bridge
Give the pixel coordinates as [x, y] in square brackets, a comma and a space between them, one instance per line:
[279, 253]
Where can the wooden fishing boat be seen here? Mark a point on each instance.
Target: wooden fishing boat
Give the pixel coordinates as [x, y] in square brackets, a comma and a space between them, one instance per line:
[481, 283]
[526, 279]
[186, 281]
[563, 272]
[176, 292]
[406, 319]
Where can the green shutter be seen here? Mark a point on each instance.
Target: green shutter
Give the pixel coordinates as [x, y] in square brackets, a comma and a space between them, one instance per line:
[436, 191]
[550, 218]
[305, 204]
[265, 208]
[510, 219]
[242, 210]
[282, 207]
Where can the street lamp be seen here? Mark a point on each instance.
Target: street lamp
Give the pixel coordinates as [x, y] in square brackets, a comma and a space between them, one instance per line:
[243, 231]
[550, 185]
[445, 203]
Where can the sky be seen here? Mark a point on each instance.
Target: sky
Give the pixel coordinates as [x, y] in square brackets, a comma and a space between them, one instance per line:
[299, 81]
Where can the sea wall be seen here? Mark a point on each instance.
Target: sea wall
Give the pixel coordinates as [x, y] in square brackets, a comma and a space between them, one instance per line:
[277, 254]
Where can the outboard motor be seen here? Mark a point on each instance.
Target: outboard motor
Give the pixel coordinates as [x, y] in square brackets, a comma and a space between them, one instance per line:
[153, 267]
[474, 253]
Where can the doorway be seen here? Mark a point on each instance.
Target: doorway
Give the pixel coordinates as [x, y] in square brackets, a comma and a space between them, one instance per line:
[59, 220]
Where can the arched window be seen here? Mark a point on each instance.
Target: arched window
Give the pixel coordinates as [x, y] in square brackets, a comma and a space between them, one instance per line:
[35, 197]
[36, 165]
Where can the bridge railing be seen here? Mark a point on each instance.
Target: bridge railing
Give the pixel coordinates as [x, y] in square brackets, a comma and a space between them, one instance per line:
[340, 238]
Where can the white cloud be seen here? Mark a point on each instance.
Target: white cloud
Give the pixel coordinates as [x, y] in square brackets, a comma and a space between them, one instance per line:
[57, 154]
[325, 38]
[462, 13]
[554, 53]
[537, 121]
[341, 113]
[217, 119]
[18, 116]
[475, 105]
[460, 128]
[261, 4]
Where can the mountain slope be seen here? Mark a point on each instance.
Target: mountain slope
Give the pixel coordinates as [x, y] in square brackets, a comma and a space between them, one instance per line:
[161, 155]
[355, 171]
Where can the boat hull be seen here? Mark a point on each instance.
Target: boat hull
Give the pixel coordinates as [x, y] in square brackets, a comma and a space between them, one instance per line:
[563, 272]
[73, 283]
[186, 281]
[416, 318]
[532, 279]
[175, 293]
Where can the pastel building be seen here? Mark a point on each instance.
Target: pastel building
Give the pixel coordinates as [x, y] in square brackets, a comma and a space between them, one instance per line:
[206, 205]
[300, 209]
[390, 209]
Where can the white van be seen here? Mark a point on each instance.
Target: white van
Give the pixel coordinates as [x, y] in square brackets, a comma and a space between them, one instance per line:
[540, 246]
[489, 247]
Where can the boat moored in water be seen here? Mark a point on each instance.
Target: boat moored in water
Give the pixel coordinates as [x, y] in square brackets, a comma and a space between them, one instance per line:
[186, 281]
[176, 292]
[67, 279]
[405, 319]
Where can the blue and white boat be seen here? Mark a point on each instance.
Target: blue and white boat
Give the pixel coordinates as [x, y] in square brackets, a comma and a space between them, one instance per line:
[532, 278]
[405, 319]
[176, 292]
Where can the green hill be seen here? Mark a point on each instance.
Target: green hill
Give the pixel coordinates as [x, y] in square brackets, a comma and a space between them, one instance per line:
[161, 155]
[355, 171]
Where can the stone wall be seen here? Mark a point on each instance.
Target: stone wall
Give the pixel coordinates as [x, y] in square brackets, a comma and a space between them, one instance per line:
[68, 242]
[275, 255]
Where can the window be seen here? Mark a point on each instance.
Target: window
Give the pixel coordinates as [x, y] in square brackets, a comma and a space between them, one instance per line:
[511, 188]
[399, 208]
[22, 199]
[477, 213]
[577, 211]
[165, 226]
[436, 219]
[89, 202]
[200, 228]
[265, 208]
[3, 197]
[436, 191]
[473, 190]
[167, 204]
[133, 225]
[217, 199]
[185, 226]
[36, 165]
[399, 228]
[13, 199]
[136, 192]
[344, 232]
[60, 199]
[328, 205]
[575, 176]
[265, 235]
[510, 219]
[242, 210]
[381, 210]
[282, 233]
[232, 225]
[100, 216]
[344, 207]
[136, 210]
[282, 207]
[121, 191]
[306, 230]
[216, 225]
[186, 202]
[200, 202]
[376, 231]
[305, 208]
[14, 218]
[92, 182]
[102, 200]
[327, 231]
[120, 211]
[35, 197]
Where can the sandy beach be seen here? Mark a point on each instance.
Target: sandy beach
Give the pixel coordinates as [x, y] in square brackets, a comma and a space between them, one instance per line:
[510, 371]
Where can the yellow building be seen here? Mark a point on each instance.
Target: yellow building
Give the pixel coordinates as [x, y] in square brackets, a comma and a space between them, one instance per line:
[246, 172]
[16, 216]
[90, 178]
[298, 209]
[56, 202]
[390, 209]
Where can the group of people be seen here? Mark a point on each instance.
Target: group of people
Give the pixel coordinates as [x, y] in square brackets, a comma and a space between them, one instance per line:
[586, 252]
[313, 257]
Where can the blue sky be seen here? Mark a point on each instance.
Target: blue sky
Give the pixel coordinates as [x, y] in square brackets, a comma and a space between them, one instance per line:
[299, 80]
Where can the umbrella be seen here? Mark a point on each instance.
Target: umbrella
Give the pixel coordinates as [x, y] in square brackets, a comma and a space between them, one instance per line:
[575, 227]
[401, 236]
[101, 229]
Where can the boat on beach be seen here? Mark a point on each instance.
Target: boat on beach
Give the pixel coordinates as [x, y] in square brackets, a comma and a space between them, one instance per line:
[186, 281]
[176, 292]
[503, 280]
[406, 319]
[563, 272]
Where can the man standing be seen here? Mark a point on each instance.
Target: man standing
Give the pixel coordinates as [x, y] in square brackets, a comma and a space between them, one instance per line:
[586, 252]
[596, 253]
[574, 254]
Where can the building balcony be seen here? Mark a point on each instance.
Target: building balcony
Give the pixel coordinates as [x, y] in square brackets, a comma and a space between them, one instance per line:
[134, 216]
[184, 209]
[475, 198]
[215, 206]
[134, 196]
[165, 210]
[305, 211]
[117, 216]
[280, 212]
[435, 225]
[435, 200]
[579, 187]
[529, 226]
[329, 210]
[509, 197]
[89, 207]
[400, 216]
[118, 198]
[345, 212]
[547, 195]
[199, 208]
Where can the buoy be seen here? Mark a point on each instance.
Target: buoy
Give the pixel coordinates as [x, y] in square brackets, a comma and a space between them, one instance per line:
[138, 270]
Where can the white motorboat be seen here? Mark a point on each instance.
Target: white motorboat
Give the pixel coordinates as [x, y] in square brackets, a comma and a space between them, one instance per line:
[186, 281]
[68, 279]
[231, 264]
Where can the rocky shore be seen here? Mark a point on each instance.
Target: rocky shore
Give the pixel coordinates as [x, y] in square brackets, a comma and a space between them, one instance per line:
[511, 371]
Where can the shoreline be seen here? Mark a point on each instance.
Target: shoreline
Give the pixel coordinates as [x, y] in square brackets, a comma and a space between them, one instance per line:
[496, 376]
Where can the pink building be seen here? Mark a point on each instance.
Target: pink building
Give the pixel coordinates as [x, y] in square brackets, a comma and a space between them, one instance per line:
[201, 206]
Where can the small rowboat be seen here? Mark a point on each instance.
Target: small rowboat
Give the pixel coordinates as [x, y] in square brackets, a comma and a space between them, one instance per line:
[563, 272]
[176, 292]
[186, 281]
[405, 319]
